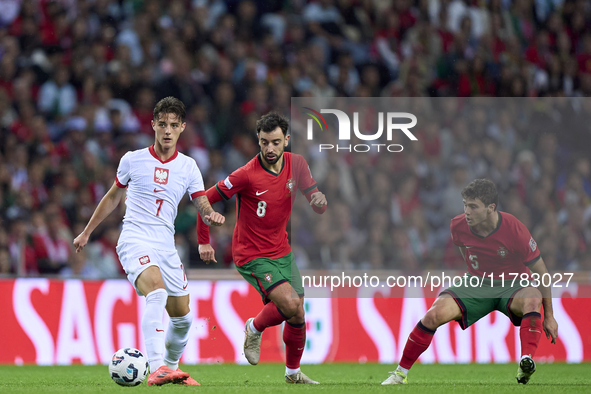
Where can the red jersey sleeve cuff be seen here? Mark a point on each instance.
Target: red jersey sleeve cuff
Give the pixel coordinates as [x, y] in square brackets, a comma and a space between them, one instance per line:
[319, 210]
[311, 189]
[119, 184]
[532, 262]
[198, 194]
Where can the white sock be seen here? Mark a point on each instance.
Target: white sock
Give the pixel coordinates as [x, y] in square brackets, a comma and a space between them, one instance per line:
[177, 336]
[251, 325]
[289, 371]
[153, 328]
[403, 370]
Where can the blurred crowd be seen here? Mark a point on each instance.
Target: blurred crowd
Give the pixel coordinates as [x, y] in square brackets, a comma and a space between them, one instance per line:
[392, 210]
[79, 79]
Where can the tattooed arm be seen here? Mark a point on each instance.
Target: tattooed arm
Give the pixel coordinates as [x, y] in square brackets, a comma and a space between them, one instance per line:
[210, 217]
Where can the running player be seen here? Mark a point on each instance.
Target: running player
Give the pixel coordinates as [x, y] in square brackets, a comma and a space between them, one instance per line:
[265, 190]
[156, 178]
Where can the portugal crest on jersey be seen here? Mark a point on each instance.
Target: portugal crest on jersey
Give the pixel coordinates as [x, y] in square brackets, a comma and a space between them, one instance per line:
[502, 251]
[269, 278]
[161, 175]
[290, 185]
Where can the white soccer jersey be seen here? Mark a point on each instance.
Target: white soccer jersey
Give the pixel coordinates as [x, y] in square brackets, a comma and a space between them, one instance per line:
[154, 190]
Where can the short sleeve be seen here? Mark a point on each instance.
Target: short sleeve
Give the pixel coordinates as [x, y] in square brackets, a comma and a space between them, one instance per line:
[526, 246]
[196, 187]
[454, 233]
[123, 171]
[234, 183]
[305, 180]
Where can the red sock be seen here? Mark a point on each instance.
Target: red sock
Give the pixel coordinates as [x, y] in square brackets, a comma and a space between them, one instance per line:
[269, 316]
[530, 332]
[418, 341]
[294, 337]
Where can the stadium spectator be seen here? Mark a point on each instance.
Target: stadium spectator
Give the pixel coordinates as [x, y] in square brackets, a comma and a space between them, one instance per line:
[101, 255]
[23, 260]
[51, 242]
[79, 268]
[57, 97]
[4, 261]
[83, 80]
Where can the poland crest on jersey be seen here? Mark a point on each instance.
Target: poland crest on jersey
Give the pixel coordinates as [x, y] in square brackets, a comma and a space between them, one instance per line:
[160, 175]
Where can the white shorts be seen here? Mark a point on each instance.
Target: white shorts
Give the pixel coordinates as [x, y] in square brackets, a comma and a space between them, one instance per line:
[136, 257]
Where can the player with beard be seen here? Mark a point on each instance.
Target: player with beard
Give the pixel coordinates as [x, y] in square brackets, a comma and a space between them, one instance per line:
[265, 190]
[491, 242]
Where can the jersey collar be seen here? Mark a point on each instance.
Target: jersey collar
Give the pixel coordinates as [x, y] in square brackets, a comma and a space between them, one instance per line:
[494, 231]
[269, 171]
[153, 153]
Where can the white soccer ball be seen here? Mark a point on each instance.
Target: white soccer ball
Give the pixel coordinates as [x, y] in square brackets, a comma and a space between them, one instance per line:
[128, 367]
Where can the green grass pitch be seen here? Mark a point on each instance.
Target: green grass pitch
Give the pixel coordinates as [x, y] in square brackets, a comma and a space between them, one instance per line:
[334, 379]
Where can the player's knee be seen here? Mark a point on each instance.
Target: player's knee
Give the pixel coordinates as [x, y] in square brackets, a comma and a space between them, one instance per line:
[434, 318]
[532, 301]
[532, 305]
[179, 311]
[153, 284]
[300, 314]
[290, 307]
[299, 317]
[291, 310]
[430, 320]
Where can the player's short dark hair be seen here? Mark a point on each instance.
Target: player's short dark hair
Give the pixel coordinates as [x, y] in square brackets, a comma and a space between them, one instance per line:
[170, 105]
[271, 121]
[483, 189]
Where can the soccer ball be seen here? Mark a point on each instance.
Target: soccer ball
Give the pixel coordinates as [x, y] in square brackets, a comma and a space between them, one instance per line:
[128, 367]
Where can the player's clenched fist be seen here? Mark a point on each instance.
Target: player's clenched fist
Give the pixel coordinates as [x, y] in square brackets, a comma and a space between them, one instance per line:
[215, 219]
[207, 253]
[318, 199]
[80, 242]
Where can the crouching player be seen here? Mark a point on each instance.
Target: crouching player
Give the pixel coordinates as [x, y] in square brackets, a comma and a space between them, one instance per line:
[490, 242]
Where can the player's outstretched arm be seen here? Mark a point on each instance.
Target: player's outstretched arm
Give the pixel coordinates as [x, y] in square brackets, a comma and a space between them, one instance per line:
[318, 201]
[550, 325]
[210, 217]
[107, 204]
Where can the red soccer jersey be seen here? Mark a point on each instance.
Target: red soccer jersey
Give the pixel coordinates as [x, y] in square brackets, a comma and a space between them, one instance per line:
[509, 249]
[263, 206]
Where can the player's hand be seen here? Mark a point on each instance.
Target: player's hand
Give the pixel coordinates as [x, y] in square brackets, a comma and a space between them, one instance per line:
[550, 328]
[80, 241]
[215, 219]
[318, 199]
[207, 253]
